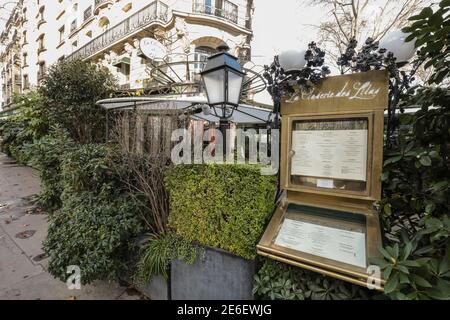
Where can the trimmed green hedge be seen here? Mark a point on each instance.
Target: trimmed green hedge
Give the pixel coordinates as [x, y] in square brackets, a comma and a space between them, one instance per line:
[222, 206]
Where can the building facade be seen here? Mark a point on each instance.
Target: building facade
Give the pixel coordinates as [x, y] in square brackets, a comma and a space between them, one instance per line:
[109, 33]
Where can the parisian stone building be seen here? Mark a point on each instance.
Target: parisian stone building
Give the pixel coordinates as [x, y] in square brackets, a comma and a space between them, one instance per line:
[39, 33]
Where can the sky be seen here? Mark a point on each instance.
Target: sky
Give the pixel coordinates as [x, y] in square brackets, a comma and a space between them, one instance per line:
[283, 25]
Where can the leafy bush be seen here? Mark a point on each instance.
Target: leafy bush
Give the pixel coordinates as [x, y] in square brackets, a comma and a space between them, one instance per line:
[90, 168]
[416, 176]
[223, 206]
[430, 29]
[95, 233]
[21, 129]
[14, 136]
[70, 91]
[97, 225]
[416, 186]
[158, 253]
[46, 155]
[278, 281]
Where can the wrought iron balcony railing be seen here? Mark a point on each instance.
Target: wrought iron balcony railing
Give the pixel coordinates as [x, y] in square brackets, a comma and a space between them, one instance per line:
[155, 11]
[98, 3]
[228, 11]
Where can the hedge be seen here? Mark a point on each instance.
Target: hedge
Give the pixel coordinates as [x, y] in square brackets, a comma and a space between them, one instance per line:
[222, 206]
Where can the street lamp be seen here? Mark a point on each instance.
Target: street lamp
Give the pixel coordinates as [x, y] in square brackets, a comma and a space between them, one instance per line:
[292, 60]
[395, 42]
[223, 78]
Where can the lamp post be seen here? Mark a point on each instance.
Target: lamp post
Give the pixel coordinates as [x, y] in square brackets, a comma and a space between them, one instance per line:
[395, 42]
[291, 61]
[223, 78]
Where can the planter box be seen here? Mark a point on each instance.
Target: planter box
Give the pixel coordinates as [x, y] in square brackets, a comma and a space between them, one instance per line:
[215, 275]
[157, 289]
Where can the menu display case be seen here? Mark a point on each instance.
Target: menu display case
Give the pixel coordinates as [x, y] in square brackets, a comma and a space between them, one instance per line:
[331, 161]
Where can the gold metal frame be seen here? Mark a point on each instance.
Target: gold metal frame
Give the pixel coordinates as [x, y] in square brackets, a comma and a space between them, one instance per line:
[286, 169]
[354, 202]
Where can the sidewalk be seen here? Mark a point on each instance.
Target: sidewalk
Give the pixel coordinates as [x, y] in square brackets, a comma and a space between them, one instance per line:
[23, 264]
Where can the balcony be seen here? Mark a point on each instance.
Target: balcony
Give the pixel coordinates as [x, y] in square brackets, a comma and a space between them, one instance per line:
[40, 22]
[156, 11]
[101, 4]
[41, 49]
[228, 11]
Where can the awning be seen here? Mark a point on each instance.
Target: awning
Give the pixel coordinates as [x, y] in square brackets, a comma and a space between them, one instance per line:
[196, 107]
[119, 62]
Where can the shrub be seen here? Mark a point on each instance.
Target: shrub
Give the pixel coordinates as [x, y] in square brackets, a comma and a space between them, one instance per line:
[47, 154]
[21, 129]
[223, 206]
[14, 136]
[278, 281]
[90, 168]
[70, 91]
[416, 175]
[416, 201]
[95, 233]
[97, 225]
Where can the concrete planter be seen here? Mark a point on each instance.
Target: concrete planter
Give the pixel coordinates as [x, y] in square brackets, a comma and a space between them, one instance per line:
[216, 275]
[157, 289]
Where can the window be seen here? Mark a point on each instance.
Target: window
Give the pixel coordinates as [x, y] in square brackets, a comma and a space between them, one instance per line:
[87, 13]
[61, 34]
[41, 46]
[25, 63]
[41, 70]
[24, 37]
[73, 25]
[26, 82]
[208, 6]
[201, 55]
[220, 8]
[75, 7]
[41, 13]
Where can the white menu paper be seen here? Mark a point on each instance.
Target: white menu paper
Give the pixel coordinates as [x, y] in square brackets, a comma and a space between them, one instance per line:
[338, 154]
[331, 243]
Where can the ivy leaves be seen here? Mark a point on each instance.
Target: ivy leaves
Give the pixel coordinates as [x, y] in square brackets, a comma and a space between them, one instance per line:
[278, 281]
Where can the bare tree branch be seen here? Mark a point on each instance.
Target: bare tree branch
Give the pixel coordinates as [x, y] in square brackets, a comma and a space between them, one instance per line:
[361, 19]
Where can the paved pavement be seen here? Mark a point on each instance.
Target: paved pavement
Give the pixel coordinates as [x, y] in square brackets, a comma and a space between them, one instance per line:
[23, 263]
